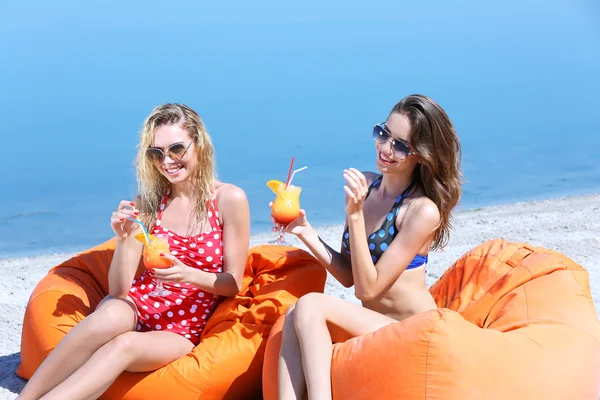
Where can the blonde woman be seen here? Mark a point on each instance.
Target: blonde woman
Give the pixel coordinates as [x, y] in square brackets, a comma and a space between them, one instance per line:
[207, 223]
[393, 219]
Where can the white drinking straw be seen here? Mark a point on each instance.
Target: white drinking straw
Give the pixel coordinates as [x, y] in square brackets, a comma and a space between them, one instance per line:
[293, 173]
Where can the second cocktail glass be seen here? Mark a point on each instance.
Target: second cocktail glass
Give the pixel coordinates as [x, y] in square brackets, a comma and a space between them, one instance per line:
[285, 207]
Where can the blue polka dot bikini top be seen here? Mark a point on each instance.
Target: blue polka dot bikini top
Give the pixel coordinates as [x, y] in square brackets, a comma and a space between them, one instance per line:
[380, 239]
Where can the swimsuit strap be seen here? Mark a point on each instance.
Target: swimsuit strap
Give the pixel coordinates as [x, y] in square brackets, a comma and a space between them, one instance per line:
[213, 212]
[400, 199]
[213, 215]
[377, 182]
[163, 204]
[374, 185]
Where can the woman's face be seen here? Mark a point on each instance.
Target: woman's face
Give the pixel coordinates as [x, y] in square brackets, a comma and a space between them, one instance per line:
[397, 127]
[179, 163]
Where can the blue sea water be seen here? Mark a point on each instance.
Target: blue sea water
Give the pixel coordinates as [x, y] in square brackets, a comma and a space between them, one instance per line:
[272, 80]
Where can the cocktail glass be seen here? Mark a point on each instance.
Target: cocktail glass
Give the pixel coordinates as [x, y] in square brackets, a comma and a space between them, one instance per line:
[153, 260]
[285, 207]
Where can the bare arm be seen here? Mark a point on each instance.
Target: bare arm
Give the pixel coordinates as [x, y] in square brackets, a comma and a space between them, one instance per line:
[336, 262]
[235, 211]
[128, 251]
[331, 260]
[370, 280]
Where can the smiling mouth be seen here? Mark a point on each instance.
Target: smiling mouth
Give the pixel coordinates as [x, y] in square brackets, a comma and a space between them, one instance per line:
[384, 159]
[173, 170]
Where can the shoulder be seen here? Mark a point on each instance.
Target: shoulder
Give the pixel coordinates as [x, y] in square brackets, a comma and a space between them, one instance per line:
[370, 176]
[230, 197]
[423, 212]
[234, 211]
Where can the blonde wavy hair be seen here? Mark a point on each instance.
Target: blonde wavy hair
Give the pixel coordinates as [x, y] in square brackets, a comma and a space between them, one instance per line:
[439, 172]
[152, 185]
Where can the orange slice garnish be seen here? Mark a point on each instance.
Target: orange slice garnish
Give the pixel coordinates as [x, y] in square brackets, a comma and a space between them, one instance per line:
[140, 237]
[276, 186]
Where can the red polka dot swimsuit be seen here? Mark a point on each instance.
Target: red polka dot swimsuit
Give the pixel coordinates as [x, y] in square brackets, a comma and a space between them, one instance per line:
[186, 310]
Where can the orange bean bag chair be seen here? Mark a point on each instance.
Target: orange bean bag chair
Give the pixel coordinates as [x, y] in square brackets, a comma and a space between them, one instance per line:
[227, 364]
[515, 322]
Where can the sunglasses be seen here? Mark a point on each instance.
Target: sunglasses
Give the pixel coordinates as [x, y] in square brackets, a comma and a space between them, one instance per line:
[400, 150]
[176, 152]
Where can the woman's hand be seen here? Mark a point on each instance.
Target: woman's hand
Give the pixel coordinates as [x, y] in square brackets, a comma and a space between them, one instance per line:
[119, 222]
[177, 273]
[297, 227]
[356, 190]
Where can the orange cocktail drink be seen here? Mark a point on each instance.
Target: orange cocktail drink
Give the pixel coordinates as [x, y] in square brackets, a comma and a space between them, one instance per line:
[152, 251]
[286, 206]
[153, 260]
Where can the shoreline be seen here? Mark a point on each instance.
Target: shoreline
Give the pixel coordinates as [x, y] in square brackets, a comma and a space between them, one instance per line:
[264, 237]
[569, 225]
[260, 234]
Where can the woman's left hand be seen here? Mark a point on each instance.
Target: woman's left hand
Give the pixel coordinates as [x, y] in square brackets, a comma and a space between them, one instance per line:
[178, 272]
[356, 190]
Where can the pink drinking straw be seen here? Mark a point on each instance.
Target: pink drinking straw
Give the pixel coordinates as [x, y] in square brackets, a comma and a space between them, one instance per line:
[287, 182]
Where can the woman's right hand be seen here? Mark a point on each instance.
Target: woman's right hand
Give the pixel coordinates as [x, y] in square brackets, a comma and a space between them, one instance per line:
[297, 227]
[119, 222]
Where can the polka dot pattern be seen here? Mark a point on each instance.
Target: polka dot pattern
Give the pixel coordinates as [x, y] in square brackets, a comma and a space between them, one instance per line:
[172, 313]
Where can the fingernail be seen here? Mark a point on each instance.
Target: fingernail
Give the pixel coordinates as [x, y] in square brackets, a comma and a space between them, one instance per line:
[136, 212]
[121, 219]
[162, 254]
[132, 203]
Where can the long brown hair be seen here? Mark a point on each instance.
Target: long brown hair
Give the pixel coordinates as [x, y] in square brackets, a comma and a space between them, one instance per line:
[152, 185]
[438, 173]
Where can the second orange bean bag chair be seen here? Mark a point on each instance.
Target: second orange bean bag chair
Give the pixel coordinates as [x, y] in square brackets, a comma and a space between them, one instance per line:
[227, 364]
[515, 322]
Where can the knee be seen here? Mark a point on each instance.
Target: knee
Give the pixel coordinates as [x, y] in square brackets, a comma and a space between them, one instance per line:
[113, 318]
[123, 344]
[309, 302]
[288, 322]
[308, 309]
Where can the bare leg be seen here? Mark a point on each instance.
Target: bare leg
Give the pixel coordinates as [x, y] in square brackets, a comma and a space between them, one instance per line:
[291, 383]
[321, 320]
[111, 318]
[130, 351]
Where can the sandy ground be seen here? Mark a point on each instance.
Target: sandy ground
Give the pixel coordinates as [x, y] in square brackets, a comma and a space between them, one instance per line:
[568, 225]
